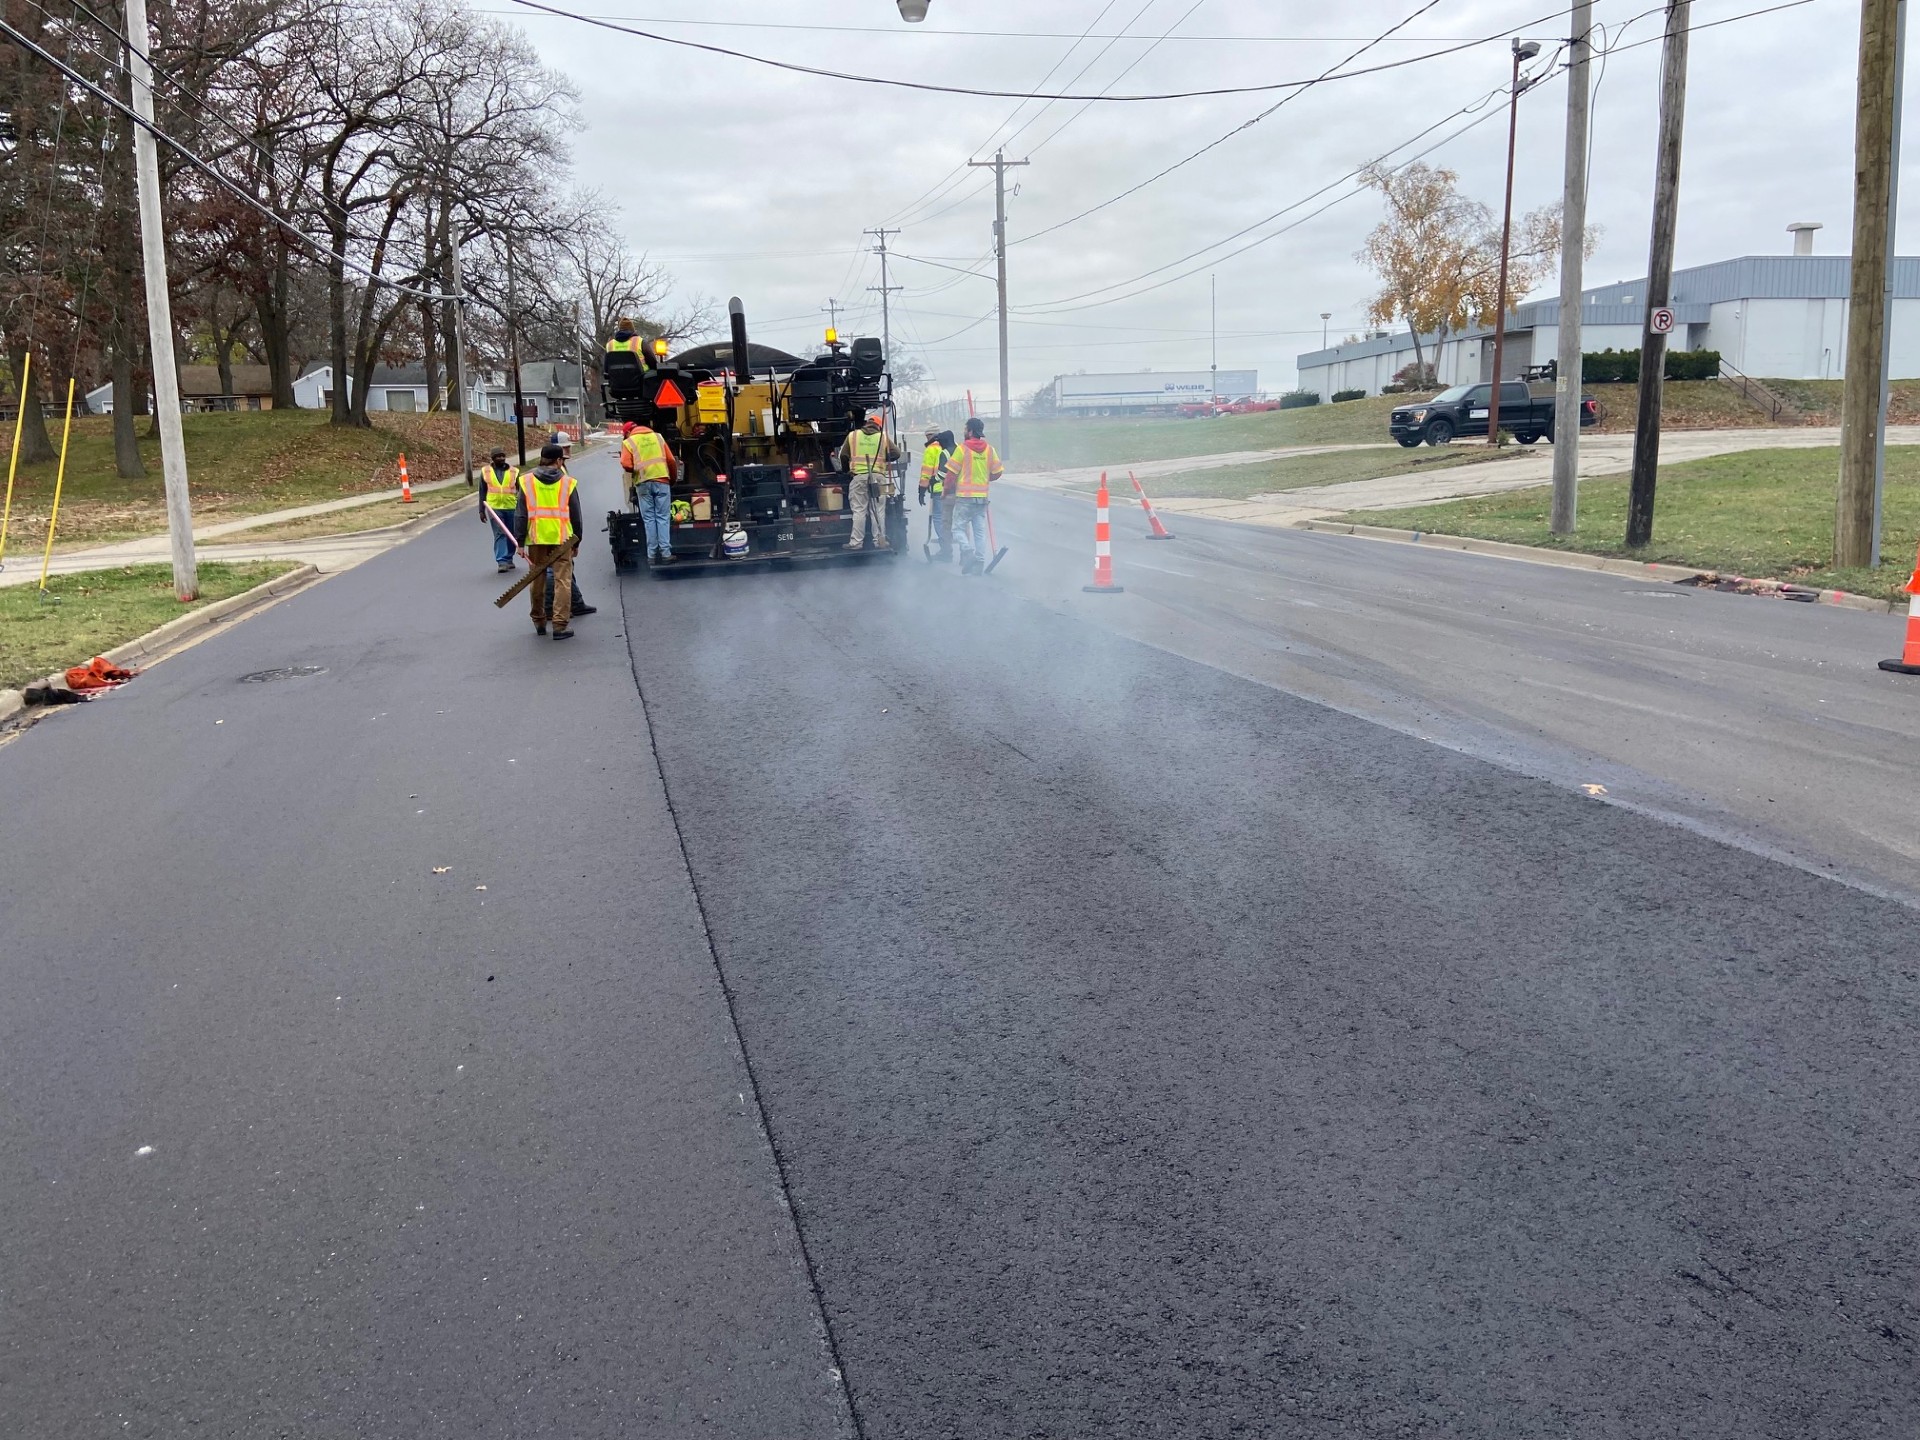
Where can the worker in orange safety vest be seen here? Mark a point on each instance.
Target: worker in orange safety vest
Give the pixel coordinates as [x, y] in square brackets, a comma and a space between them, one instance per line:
[970, 470]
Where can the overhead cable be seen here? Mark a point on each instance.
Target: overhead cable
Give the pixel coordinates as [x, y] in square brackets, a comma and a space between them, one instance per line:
[896, 83]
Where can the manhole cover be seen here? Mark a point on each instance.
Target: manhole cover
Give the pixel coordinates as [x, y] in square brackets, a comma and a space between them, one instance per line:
[285, 672]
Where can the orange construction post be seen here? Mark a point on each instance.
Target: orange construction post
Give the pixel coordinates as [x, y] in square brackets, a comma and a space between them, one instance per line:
[1909, 661]
[1102, 547]
[1159, 531]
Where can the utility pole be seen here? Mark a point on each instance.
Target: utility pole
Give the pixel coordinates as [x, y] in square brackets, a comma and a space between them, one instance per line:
[1213, 306]
[1000, 165]
[153, 252]
[1856, 526]
[1573, 232]
[886, 318]
[513, 354]
[1522, 50]
[832, 307]
[460, 358]
[1666, 206]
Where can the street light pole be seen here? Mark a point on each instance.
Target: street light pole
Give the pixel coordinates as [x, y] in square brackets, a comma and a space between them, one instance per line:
[1213, 306]
[1522, 50]
[460, 357]
[1325, 316]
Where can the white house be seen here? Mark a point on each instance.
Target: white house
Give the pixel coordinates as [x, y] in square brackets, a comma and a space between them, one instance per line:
[550, 389]
[1769, 316]
[401, 388]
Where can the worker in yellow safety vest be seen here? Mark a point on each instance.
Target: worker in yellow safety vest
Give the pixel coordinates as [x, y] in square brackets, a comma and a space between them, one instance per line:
[499, 496]
[933, 465]
[625, 337]
[867, 457]
[970, 470]
[547, 521]
[651, 468]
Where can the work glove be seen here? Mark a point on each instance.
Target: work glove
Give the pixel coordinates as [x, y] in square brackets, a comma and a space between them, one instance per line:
[923, 497]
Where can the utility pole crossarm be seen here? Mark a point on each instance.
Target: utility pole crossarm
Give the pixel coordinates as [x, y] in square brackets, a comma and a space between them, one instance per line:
[1000, 165]
[886, 291]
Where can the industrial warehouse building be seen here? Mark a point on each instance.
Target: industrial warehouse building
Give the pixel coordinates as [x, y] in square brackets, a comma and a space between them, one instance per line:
[1150, 391]
[1769, 316]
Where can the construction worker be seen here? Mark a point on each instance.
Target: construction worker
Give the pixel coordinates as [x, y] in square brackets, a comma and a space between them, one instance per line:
[933, 465]
[651, 468]
[625, 337]
[867, 456]
[970, 470]
[548, 522]
[499, 496]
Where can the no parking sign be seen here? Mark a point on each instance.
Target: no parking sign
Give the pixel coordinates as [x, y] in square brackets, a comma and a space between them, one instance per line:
[1660, 322]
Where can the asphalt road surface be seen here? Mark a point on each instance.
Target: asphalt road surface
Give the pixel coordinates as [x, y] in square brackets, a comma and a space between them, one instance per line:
[927, 1007]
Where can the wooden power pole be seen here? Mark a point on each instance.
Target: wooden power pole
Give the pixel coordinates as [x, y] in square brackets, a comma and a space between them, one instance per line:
[1854, 539]
[153, 250]
[1000, 165]
[1666, 206]
[1573, 253]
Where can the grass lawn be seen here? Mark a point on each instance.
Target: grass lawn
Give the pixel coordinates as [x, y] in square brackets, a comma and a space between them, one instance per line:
[100, 609]
[361, 517]
[1767, 514]
[1059, 443]
[237, 464]
[1820, 400]
[1237, 482]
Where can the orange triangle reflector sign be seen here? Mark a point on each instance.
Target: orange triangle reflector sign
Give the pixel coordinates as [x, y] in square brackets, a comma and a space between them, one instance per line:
[668, 395]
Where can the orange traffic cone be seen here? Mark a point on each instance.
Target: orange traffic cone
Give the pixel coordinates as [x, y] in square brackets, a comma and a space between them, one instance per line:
[1159, 532]
[1909, 661]
[1102, 547]
[406, 485]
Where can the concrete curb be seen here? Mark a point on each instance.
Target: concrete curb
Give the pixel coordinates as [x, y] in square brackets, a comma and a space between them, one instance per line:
[1574, 560]
[163, 637]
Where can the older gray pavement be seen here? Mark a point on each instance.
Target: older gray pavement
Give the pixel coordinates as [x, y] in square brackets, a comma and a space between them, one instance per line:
[365, 1067]
[1758, 720]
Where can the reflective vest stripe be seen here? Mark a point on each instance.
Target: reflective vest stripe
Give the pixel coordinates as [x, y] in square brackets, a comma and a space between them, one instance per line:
[549, 519]
[647, 455]
[930, 467]
[502, 488]
[867, 452]
[633, 344]
[973, 468]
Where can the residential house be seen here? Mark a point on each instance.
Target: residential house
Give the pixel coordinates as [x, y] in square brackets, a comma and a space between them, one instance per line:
[401, 388]
[550, 389]
[200, 389]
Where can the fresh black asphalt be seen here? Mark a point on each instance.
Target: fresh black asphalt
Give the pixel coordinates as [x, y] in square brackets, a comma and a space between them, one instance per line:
[1145, 1051]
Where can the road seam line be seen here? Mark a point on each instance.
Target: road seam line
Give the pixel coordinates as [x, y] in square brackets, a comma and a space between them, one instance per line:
[740, 1043]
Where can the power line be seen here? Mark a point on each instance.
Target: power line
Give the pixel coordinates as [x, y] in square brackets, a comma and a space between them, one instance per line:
[893, 82]
[1238, 129]
[1063, 306]
[945, 184]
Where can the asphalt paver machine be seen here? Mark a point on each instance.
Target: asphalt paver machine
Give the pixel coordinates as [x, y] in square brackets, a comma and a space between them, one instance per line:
[757, 433]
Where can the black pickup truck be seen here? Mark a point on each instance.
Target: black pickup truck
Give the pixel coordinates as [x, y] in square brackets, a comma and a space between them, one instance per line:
[1463, 411]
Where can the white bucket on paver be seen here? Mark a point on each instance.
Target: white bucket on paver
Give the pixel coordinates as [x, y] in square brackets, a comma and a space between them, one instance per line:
[733, 543]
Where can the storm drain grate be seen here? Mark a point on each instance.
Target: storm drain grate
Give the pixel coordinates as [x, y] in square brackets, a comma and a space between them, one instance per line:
[285, 672]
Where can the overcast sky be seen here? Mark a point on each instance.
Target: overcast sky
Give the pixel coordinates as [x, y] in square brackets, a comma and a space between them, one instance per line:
[746, 180]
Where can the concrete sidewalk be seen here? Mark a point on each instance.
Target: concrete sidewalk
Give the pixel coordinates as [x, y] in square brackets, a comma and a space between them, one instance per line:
[327, 553]
[1599, 455]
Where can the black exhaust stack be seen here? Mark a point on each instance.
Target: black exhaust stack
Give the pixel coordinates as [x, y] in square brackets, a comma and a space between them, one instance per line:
[742, 366]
